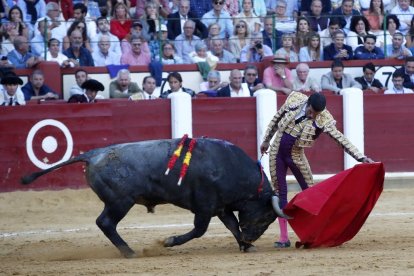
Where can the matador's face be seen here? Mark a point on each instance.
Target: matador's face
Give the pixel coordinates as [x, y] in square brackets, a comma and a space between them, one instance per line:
[311, 113]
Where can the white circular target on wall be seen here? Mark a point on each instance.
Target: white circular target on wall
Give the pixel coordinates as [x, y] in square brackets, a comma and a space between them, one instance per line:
[49, 143]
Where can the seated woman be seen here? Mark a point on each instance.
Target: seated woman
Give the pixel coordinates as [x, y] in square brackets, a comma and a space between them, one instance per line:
[201, 54]
[302, 33]
[10, 32]
[15, 16]
[239, 39]
[313, 50]
[359, 28]
[375, 16]
[80, 26]
[176, 85]
[168, 54]
[120, 24]
[287, 50]
[213, 83]
[151, 20]
[213, 32]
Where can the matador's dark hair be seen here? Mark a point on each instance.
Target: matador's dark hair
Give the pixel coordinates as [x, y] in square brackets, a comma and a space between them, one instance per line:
[317, 101]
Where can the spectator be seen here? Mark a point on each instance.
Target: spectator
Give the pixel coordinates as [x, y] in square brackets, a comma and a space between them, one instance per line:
[318, 10]
[303, 82]
[66, 6]
[398, 80]
[336, 80]
[151, 20]
[81, 27]
[271, 37]
[313, 50]
[358, 30]
[302, 33]
[287, 50]
[37, 43]
[10, 33]
[164, 8]
[176, 85]
[36, 89]
[54, 54]
[155, 44]
[121, 23]
[327, 34]
[80, 76]
[110, 4]
[213, 33]
[176, 21]
[103, 29]
[369, 50]
[375, 16]
[80, 12]
[392, 23]
[240, 38]
[135, 55]
[278, 77]
[231, 6]
[91, 88]
[290, 11]
[259, 7]
[367, 81]
[123, 87]
[409, 37]
[104, 57]
[285, 23]
[256, 50]
[345, 13]
[235, 87]
[219, 16]
[213, 83]
[185, 42]
[202, 55]
[408, 72]
[55, 23]
[337, 49]
[15, 15]
[223, 55]
[396, 49]
[10, 95]
[32, 10]
[148, 88]
[168, 54]
[79, 55]
[404, 12]
[249, 17]
[252, 80]
[20, 57]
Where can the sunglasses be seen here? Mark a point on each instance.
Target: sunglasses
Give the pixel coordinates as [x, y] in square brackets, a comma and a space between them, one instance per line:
[218, 3]
[251, 74]
[240, 26]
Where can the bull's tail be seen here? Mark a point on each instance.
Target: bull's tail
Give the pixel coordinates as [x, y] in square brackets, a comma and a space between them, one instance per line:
[27, 179]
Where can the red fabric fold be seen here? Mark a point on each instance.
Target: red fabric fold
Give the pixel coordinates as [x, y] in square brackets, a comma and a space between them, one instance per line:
[333, 211]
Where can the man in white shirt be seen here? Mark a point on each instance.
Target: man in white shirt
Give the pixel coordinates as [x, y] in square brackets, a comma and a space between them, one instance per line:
[303, 82]
[404, 12]
[398, 80]
[103, 56]
[235, 87]
[148, 87]
[103, 29]
[10, 94]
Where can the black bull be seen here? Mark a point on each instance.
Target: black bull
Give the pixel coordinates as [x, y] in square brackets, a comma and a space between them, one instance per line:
[221, 179]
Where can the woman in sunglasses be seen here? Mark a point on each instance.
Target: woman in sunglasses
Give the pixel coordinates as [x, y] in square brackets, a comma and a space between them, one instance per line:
[248, 15]
[239, 39]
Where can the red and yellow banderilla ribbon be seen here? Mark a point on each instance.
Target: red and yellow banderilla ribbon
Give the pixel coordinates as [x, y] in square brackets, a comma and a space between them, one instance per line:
[186, 162]
[176, 154]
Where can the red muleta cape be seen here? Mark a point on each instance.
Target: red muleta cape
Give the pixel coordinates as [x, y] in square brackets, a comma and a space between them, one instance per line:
[333, 211]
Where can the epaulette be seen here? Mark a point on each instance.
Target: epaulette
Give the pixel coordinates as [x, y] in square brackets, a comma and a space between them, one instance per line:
[324, 119]
[296, 99]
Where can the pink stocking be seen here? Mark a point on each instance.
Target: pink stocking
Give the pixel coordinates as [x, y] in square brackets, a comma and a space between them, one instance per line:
[284, 237]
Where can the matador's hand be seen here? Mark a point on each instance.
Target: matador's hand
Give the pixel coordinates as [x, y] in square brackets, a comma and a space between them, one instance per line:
[263, 147]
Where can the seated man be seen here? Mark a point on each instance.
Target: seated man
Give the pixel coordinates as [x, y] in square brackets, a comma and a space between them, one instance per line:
[224, 56]
[251, 79]
[103, 56]
[10, 95]
[148, 87]
[235, 87]
[367, 81]
[408, 72]
[303, 82]
[336, 80]
[91, 88]
[337, 49]
[20, 57]
[123, 87]
[396, 49]
[134, 55]
[36, 89]
[80, 76]
[277, 77]
[213, 83]
[369, 50]
[78, 54]
[256, 50]
[397, 80]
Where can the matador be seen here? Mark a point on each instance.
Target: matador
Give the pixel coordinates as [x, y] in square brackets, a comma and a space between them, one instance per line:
[296, 126]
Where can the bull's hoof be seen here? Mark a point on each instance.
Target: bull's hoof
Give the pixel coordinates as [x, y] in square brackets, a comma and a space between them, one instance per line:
[248, 248]
[169, 242]
[128, 252]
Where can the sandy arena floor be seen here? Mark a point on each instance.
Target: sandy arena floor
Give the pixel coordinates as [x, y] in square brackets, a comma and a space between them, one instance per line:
[54, 233]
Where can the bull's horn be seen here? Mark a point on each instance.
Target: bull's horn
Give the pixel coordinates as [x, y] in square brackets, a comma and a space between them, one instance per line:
[279, 212]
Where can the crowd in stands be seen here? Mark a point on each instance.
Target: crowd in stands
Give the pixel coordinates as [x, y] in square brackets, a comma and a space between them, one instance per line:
[137, 32]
